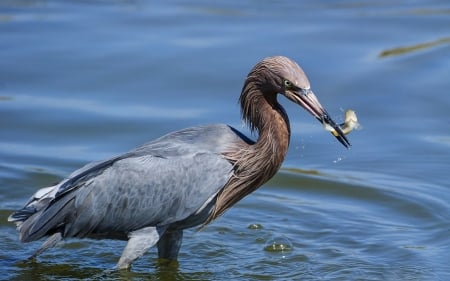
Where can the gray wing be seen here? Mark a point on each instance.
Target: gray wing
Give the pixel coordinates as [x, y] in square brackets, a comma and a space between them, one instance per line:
[147, 191]
[159, 183]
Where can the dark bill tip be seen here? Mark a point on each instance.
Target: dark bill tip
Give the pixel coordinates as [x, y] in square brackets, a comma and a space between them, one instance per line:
[340, 136]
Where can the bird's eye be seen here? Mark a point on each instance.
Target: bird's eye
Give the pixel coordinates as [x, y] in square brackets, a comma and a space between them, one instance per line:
[287, 83]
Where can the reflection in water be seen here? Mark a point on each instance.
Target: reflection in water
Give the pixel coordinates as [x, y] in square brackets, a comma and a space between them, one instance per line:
[34, 270]
[157, 270]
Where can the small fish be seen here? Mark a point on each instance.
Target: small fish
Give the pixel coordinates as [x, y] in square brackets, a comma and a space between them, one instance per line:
[350, 123]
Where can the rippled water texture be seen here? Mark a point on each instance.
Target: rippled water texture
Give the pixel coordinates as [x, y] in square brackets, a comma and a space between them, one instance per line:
[85, 80]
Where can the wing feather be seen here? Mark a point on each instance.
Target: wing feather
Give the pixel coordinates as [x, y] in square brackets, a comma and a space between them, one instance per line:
[159, 183]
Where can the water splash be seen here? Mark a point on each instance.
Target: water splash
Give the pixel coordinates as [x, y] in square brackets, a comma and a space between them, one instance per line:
[339, 159]
[279, 244]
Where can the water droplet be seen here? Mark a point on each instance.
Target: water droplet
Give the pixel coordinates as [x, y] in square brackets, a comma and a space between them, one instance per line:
[255, 226]
[339, 159]
[278, 244]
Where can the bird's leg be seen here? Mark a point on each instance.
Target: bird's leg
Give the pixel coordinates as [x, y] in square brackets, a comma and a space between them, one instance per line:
[140, 241]
[169, 244]
[50, 242]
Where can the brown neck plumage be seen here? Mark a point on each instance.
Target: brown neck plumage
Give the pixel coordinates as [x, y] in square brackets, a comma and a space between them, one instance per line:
[255, 164]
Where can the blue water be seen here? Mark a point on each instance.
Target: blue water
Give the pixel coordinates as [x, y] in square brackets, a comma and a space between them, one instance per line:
[85, 80]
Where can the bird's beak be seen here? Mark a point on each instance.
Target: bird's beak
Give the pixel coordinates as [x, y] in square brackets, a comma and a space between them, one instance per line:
[307, 99]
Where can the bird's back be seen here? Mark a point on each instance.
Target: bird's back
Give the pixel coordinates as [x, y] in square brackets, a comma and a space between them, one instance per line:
[163, 182]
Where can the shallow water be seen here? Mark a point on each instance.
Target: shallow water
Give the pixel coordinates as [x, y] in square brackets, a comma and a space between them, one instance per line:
[85, 80]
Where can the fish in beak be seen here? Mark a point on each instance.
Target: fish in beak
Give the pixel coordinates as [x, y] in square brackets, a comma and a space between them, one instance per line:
[309, 101]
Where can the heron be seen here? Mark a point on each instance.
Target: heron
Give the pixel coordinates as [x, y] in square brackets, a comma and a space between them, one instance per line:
[184, 179]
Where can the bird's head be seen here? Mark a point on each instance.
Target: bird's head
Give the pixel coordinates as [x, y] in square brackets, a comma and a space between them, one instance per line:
[284, 76]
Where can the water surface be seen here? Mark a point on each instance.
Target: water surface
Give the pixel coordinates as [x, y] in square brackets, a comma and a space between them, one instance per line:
[85, 80]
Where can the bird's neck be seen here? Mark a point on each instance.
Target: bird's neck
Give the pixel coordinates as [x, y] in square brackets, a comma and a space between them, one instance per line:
[255, 164]
[273, 131]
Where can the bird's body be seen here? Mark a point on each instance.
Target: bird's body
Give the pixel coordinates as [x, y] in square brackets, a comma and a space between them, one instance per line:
[184, 179]
[144, 182]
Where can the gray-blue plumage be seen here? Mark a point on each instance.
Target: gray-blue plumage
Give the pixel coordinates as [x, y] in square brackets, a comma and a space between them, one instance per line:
[158, 183]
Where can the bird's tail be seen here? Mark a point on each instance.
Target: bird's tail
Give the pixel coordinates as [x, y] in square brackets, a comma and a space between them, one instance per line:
[38, 201]
[41, 217]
